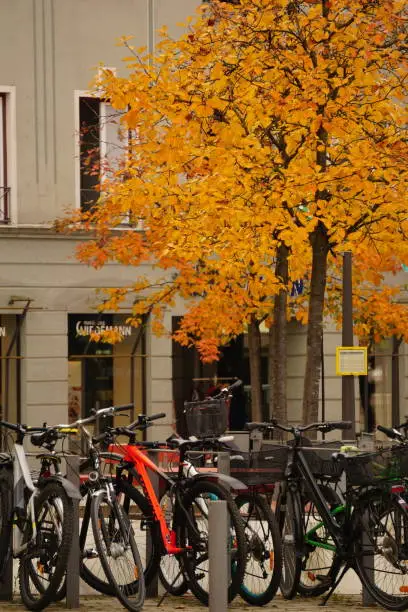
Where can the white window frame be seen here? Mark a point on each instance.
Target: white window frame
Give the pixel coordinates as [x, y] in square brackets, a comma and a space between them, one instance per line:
[11, 143]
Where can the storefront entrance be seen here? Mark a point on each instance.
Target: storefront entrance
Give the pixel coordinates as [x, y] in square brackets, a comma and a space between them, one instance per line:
[102, 374]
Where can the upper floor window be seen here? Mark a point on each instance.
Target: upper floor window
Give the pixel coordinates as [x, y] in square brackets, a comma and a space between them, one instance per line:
[4, 184]
[8, 156]
[102, 144]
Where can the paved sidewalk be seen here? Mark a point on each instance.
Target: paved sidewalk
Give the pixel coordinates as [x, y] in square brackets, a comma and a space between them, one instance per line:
[339, 603]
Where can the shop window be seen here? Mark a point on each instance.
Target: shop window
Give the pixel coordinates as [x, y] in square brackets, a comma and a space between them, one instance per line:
[101, 374]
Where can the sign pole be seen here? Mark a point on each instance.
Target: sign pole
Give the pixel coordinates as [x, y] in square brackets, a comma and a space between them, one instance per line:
[347, 396]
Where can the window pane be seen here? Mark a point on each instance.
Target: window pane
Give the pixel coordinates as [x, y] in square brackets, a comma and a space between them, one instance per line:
[89, 121]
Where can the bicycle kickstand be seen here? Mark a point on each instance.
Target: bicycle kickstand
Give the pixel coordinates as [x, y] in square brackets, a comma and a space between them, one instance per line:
[335, 584]
[166, 592]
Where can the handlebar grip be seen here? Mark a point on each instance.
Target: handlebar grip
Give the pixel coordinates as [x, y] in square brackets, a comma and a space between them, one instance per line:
[11, 426]
[340, 424]
[123, 407]
[254, 425]
[154, 445]
[389, 431]
[235, 385]
[154, 417]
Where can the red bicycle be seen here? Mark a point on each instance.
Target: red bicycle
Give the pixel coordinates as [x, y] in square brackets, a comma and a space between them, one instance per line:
[184, 533]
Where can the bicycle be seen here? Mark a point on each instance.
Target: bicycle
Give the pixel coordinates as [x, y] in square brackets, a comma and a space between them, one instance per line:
[366, 532]
[264, 552]
[206, 420]
[41, 515]
[184, 534]
[116, 548]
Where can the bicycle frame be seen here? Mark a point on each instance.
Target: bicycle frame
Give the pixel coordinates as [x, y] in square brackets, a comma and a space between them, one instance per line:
[139, 462]
[328, 517]
[21, 478]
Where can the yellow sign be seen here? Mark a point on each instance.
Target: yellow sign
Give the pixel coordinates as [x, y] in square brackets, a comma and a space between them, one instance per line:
[351, 360]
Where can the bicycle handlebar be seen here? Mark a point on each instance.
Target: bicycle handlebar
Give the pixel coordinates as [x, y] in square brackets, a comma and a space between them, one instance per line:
[141, 423]
[24, 429]
[390, 432]
[226, 390]
[323, 427]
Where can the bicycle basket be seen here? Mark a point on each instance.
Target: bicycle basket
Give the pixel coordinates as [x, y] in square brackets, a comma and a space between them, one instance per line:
[260, 467]
[207, 418]
[320, 462]
[370, 468]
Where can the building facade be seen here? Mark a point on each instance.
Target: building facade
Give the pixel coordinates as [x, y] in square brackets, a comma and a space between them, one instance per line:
[49, 371]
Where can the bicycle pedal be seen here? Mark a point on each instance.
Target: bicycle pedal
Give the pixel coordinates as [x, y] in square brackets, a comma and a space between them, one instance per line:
[325, 580]
[90, 553]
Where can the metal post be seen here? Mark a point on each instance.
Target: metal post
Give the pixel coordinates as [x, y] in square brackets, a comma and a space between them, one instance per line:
[6, 582]
[218, 546]
[224, 463]
[152, 590]
[72, 600]
[256, 439]
[348, 399]
[395, 385]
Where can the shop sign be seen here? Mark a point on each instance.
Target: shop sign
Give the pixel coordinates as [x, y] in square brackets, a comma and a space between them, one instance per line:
[3, 332]
[86, 328]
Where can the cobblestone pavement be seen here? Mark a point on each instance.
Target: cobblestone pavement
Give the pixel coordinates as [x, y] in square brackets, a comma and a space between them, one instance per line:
[338, 603]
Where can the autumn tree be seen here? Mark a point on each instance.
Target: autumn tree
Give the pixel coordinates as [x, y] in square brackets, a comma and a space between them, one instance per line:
[270, 124]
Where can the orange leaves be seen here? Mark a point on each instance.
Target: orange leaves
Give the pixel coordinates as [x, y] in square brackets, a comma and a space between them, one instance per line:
[252, 129]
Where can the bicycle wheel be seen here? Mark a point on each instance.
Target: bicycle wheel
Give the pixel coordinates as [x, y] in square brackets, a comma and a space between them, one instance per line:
[43, 565]
[170, 571]
[6, 508]
[144, 526]
[381, 552]
[320, 565]
[264, 551]
[118, 552]
[291, 529]
[194, 533]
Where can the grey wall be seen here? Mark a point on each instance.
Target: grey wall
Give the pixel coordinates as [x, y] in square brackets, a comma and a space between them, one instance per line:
[49, 49]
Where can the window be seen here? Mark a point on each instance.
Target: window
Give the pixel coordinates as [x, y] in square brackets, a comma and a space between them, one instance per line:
[101, 374]
[8, 162]
[101, 146]
[4, 186]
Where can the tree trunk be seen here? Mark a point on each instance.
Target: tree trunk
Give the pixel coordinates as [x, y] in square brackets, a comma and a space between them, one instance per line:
[320, 249]
[277, 342]
[254, 345]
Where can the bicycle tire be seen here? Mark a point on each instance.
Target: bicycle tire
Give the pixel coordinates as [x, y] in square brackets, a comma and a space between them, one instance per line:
[50, 548]
[263, 549]
[171, 573]
[113, 540]
[91, 571]
[6, 509]
[320, 566]
[291, 528]
[185, 538]
[383, 515]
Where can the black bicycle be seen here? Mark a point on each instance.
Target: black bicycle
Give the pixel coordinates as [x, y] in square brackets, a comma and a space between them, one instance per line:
[367, 532]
